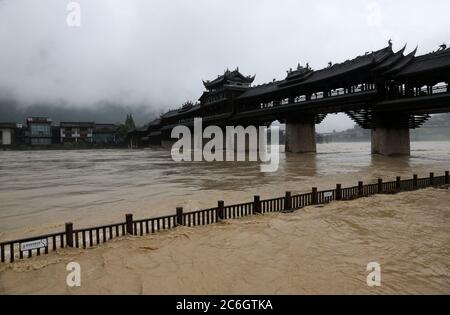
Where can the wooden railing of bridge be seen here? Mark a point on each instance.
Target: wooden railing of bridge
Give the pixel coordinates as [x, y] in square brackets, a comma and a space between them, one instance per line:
[340, 92]
[92, 236]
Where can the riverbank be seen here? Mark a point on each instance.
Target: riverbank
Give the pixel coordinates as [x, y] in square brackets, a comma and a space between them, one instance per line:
[64, 147]
[313, 250]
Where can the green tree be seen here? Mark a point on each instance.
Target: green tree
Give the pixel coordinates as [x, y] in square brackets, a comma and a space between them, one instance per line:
[129, 122]
[126, 127]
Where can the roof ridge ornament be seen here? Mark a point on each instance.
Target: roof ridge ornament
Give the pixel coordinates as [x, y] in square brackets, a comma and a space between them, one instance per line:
[443, 47]
[390, 43]
[404, 48]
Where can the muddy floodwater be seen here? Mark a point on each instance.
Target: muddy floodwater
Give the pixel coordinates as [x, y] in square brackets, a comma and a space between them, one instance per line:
[313, 250]
[41, 190]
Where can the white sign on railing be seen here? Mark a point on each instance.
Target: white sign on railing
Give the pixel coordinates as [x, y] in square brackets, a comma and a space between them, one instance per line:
[328, 194]
[33, 244]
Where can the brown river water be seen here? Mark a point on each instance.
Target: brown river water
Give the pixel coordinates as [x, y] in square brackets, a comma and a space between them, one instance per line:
[315, 250]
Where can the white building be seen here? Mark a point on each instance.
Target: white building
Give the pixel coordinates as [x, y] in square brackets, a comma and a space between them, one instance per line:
[76, 132]
[7, 133]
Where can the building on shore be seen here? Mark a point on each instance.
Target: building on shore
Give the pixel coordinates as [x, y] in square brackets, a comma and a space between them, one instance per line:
[105, 134]
[355, 134]
[56, 134]
[138, 137]
[75, 132]
[38, 131]
[7, 133]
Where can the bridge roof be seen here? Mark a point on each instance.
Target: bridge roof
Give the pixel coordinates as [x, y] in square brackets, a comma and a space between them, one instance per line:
[328, 73]
[300, 73]
[391, 60]
[262, 89]
[182, 110]
[228, 75]
[350, 65]
[401, 64]
[432, 61]
[155, 122]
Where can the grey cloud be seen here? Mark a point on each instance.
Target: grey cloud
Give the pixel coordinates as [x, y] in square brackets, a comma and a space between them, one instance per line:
[156, 52]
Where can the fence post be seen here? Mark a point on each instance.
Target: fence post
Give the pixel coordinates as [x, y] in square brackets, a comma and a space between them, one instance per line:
[69, 234]
[257, 205]
[220, 205]
[447, 179]
[129, 223]
[360, 189]
[179, 215]
[398, 183]
[431, 179]
[287, 201]
[415, 181]
[338, 192]
[380, 185]
[314, 198]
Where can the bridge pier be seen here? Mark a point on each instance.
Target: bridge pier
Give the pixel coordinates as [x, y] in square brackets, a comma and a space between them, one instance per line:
[390, 134]
[301, 135]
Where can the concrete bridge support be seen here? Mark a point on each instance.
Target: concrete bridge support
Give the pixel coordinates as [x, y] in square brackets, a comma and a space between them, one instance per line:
[390, 134]
[301, 135]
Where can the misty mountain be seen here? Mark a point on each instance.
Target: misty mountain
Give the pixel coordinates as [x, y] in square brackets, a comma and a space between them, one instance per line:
[104, 112]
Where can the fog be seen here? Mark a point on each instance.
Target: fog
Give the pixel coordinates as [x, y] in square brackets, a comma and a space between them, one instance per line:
[150, 56]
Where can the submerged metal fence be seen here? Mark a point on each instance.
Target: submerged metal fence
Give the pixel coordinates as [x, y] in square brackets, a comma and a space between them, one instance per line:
[89, 237]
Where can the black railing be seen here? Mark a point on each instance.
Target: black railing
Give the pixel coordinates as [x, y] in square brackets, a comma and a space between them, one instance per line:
[89, 237]
[399, 93]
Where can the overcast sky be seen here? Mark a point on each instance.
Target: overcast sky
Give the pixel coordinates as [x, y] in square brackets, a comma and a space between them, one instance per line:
[157, 52]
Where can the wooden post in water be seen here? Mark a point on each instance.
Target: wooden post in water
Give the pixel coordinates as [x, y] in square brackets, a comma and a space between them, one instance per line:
[288, 201]
[398, 183]
[179, 215]
[69, 234]
[129, 223]
[338, 192]
[380, 185]
[415, 181]
[220, 206]
[256, 204]
[360, 189]
[314, 199]
[447, 179]
[431, 179]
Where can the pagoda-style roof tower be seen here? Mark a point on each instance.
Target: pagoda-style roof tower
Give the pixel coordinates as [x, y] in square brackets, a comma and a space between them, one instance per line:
[300, 74]
[229, 78]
